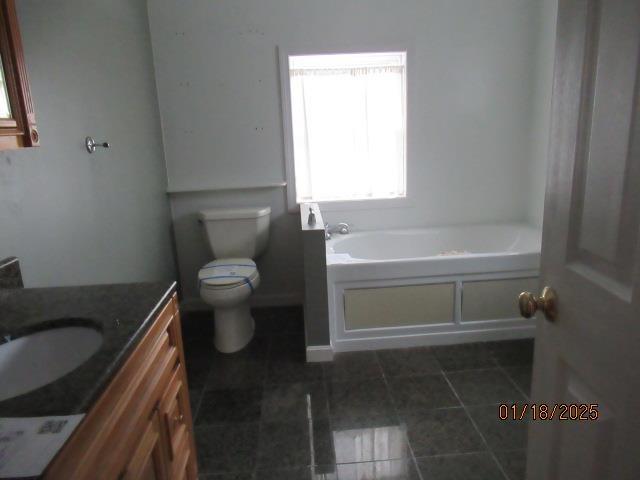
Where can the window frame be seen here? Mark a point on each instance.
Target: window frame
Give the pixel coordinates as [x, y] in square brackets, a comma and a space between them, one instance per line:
[287, 129]
[20, 130]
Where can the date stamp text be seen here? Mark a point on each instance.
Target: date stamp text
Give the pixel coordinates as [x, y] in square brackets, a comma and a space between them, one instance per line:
[544, 411]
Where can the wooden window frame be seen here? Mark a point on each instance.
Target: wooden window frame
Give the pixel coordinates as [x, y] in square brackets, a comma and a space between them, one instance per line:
[20, 130]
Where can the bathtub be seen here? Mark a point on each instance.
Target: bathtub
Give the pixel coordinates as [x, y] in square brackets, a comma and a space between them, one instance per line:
[395, 288]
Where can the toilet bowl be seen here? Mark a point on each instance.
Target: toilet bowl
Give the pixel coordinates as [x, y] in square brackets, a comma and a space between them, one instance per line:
[226, 284]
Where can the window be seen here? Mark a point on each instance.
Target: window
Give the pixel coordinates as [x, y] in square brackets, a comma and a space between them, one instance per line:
[348, 125]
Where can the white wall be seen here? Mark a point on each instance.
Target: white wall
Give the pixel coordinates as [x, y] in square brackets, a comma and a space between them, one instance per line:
[71, 217]
[542, 74]
[471, 91]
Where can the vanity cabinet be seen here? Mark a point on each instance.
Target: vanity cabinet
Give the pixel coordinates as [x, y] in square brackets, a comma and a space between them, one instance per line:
[141, 426]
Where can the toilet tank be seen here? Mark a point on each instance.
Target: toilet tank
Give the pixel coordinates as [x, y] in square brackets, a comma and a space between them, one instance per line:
[236, 232]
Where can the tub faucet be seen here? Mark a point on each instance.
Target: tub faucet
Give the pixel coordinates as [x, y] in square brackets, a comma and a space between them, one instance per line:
[341, 228]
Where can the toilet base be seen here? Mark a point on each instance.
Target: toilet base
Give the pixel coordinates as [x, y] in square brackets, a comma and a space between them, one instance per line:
[234, 328]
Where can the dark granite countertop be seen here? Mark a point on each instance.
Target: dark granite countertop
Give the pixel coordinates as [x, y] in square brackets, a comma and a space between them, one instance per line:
[121, 312]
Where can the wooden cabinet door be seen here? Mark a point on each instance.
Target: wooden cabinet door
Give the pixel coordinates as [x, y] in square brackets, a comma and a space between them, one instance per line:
[149, 460]
[175, 414]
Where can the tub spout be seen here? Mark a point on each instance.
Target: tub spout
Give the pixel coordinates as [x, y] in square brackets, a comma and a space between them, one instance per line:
[341, 228]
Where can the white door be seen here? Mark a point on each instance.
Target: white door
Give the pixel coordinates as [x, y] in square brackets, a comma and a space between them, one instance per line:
[590, 353]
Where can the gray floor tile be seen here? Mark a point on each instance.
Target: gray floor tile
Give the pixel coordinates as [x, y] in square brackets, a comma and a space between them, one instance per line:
[257, 349]
[229, 406]
[278, 320]
[294, 370]
[283, 346]
[484, 387]
[360, 403]
[499, 434]
[227, 476]
[323, 447]
[289, 444]
[194, 399]
[371, 444]
[321, 472]
[198, 367]
[469, 466]
[294, 401]
[227, 448]
[521, 376]
[361, 409]
[514, 463]
[288, 363]
[238, 373]
[512, 352]
[296, 473]
[408, 361]
[383, 470]
[364, 420]
[442, 431]
[284, 445]
[352, 366]
[422, 392]
[197, 326]
[198, 345]
[465, 356]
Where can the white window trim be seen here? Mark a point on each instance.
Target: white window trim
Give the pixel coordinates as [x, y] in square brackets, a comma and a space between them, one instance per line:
[287, 130]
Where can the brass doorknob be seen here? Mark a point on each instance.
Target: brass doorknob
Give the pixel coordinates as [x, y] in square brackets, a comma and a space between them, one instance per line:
[547, 303]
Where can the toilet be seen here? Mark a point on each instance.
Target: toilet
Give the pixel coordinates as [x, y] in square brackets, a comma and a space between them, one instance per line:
[236, 236]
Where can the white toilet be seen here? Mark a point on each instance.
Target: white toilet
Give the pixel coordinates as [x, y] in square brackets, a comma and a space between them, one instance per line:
[236, 236]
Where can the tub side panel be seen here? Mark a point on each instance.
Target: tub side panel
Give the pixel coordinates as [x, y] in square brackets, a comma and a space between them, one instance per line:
[494, 299]
[399, 306]
[316, 311]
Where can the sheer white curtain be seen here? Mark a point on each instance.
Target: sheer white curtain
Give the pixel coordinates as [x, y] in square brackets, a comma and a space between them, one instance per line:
[348, 119]
[5, 104]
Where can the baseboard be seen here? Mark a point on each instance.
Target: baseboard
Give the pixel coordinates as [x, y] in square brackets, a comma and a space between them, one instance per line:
[319, 353]
[268, 300]
[432, 338]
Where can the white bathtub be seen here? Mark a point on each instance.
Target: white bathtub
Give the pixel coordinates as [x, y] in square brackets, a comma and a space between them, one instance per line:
[367, 273]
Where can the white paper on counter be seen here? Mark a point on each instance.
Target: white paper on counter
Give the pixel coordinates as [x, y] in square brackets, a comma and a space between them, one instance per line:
[28, 444]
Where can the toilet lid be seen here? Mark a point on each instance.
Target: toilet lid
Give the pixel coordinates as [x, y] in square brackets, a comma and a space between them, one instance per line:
[227, 272]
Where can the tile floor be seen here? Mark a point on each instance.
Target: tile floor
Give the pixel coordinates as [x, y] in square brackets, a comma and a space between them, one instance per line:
[422, 413]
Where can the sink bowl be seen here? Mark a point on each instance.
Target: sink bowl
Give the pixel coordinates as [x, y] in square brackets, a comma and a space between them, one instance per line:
[35, 360]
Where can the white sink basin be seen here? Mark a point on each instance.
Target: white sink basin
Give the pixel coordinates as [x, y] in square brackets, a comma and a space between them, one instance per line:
[36, 360]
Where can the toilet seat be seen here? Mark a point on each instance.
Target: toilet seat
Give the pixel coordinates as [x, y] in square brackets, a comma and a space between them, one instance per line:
[228, 273]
